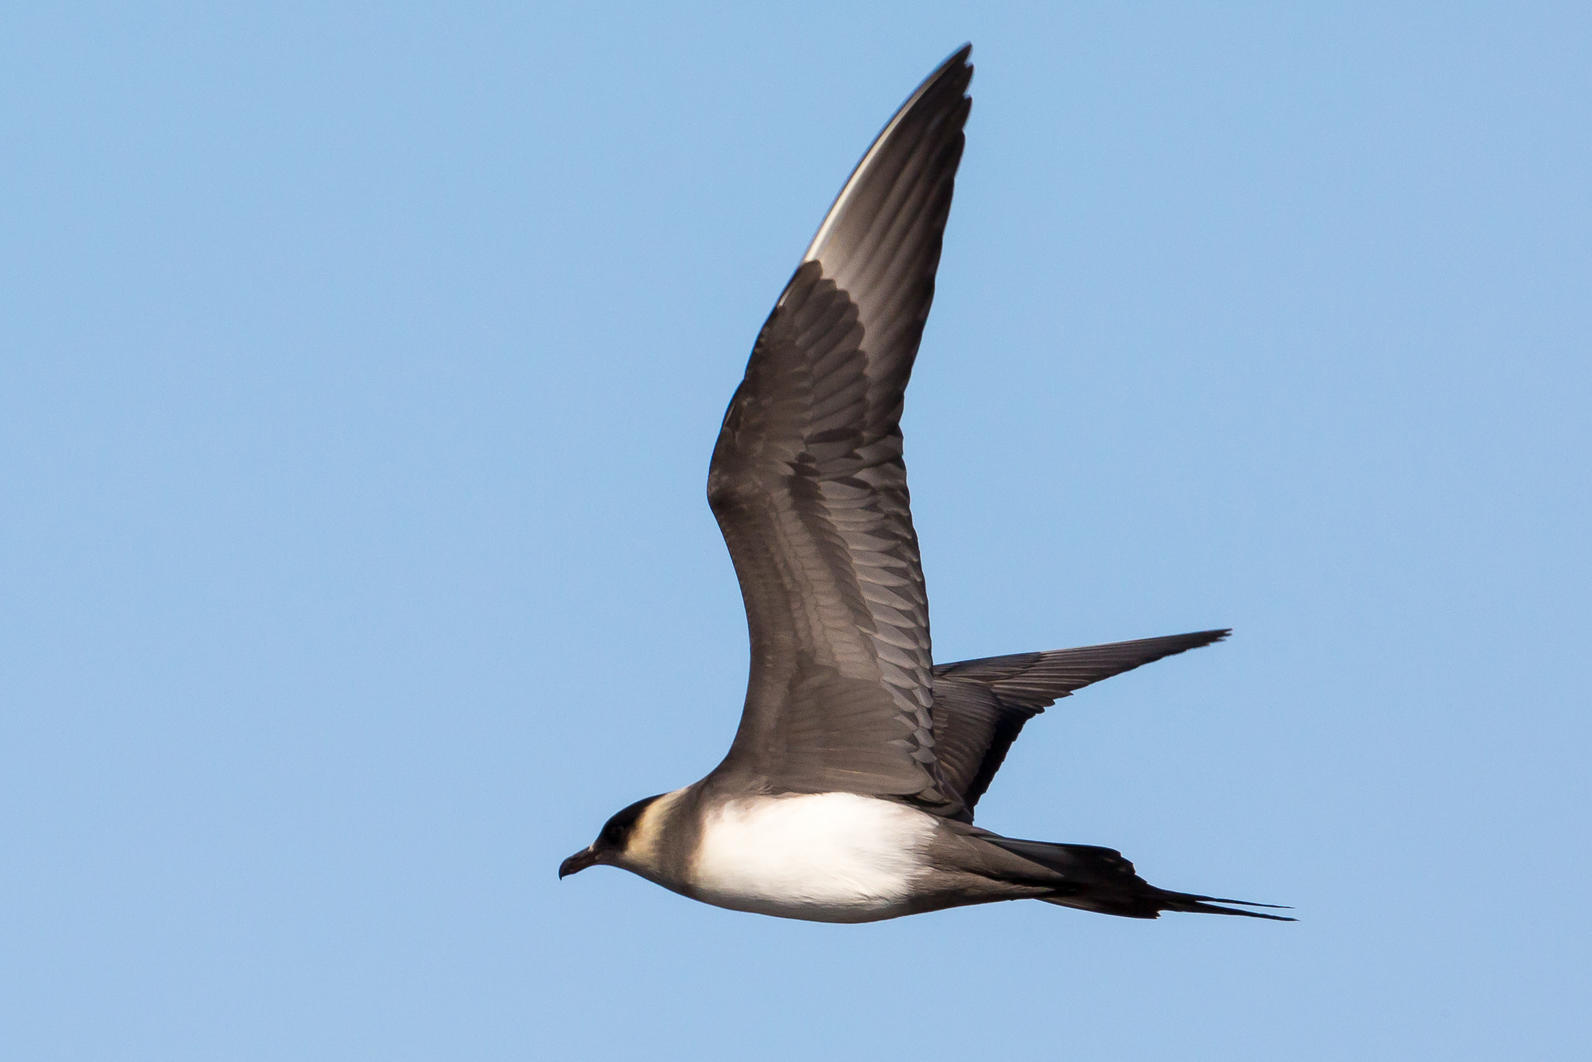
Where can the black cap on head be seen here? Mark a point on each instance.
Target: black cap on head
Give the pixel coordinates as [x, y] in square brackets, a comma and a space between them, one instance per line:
[613, 839]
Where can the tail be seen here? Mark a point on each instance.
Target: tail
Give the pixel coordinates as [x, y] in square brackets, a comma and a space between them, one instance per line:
[1101, 879]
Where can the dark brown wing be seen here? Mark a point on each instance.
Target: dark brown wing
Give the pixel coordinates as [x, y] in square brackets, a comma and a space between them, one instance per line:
[980, 706]
[810, 491]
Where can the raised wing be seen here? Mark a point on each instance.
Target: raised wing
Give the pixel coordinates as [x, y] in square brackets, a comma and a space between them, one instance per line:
[810, 491]
[980, 706]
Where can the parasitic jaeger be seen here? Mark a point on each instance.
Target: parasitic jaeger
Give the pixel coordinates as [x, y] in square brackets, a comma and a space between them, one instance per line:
[848, 792]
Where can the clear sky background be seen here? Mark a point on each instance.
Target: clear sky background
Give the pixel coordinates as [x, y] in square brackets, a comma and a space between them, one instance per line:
[358, 376]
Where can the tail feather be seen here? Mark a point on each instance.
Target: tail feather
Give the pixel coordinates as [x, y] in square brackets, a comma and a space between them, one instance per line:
[1153, 901]
[1103, 880]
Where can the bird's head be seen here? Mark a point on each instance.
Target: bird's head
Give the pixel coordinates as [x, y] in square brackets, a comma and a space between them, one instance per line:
[626, 840]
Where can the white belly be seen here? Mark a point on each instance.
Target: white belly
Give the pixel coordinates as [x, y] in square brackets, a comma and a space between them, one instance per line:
[830, 857]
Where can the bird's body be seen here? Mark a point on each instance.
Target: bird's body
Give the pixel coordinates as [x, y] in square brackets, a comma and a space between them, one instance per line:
[849, 790]
[828, 857]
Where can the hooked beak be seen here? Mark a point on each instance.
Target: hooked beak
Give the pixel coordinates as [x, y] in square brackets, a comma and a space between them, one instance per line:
[577, 863]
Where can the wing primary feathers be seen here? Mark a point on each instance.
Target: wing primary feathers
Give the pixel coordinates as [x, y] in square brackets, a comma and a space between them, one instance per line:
[809, 487]
[980, 706]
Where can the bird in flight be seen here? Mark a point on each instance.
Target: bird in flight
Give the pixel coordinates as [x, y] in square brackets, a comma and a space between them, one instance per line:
[848, 792]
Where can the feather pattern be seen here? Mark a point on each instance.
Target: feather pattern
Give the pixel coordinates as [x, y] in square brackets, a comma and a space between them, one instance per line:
[809, 488]
[980, 706]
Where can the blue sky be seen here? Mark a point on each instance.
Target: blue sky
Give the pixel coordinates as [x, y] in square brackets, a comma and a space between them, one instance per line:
[359, 375]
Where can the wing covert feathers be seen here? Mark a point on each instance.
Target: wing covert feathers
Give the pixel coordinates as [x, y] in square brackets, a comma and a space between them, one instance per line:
[809, 487]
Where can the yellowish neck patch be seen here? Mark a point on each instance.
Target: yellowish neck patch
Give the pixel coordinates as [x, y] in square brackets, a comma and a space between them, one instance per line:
[644, 847]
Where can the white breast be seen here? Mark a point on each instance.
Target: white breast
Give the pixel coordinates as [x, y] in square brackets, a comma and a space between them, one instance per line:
[831, 857]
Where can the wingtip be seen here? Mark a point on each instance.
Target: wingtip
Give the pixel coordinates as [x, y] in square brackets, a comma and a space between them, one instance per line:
[946, 89]
[956, 66]
[962, 58]
[1200, 639]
